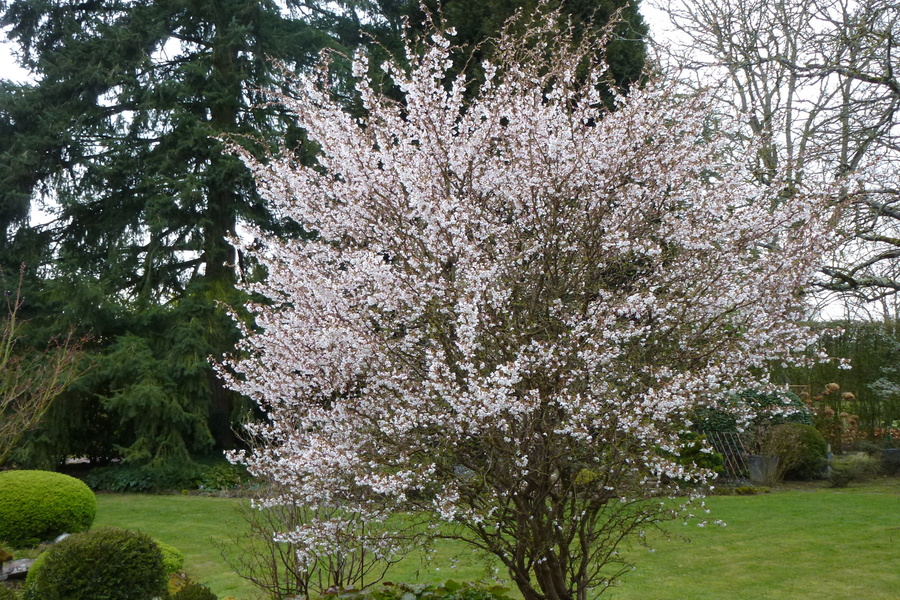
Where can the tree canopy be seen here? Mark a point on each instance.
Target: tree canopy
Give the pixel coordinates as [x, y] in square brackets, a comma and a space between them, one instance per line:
[513, 304]
[120, 140]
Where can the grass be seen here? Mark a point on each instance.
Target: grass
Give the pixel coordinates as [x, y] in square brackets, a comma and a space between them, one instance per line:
[805, 542]
[196, 525]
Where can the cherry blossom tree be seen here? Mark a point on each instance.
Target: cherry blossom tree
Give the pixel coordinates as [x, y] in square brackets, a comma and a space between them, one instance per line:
[511, 306]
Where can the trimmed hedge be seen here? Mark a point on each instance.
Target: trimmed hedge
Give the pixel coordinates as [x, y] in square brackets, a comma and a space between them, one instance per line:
[37, 506]
[103, 564]
[194, 591]
[173, 558]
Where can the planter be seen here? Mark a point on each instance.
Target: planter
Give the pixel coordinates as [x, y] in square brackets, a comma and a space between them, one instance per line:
[763, 469]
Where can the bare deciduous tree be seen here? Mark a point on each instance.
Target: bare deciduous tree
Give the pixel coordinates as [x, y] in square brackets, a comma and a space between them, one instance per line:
[817, 80]
[29, 381]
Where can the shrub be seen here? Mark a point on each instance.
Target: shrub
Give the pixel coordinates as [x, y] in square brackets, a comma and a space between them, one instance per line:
[194, 591]
[800, 450]
[173, 558]
[451, 590]
[770, 409]
[148, 478]
[37, 506]
[694, 453]
[852, 468]
[890, 461]
[222, 476]
[104, 564]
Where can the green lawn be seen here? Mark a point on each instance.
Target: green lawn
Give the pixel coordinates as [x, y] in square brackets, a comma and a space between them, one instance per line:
[802, 543]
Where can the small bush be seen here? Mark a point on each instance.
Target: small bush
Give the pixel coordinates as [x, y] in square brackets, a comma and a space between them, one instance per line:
[194, 591]
[696, 454]
[104, 564]
[148, 478]
[177, 581]
[890, 461]
[37, 506]
[173, 558]
[451, 590]
[222, 476]
[800, 449]
[852, 468]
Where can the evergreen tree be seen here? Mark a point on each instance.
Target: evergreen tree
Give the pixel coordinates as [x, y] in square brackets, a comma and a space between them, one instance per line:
[122, 135]
[121, 138]
[478, 23]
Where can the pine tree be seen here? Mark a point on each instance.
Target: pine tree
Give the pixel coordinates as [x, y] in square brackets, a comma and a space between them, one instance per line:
[479, 23]
[122, 135]
[122, 138]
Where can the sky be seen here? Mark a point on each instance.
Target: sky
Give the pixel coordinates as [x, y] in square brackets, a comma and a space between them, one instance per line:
[8, 67]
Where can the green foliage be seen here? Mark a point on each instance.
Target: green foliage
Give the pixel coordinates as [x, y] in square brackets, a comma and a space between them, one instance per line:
[146, 478]
[7, 593]
[173, 558]
[131, 155]
[104, 564]
[30, 378]
[194, 591]
[451, 590]
[479, 22]
[852, 468]
[800, 450]
[125, 477]
[695, 453]
[223, 476]
[36, 506]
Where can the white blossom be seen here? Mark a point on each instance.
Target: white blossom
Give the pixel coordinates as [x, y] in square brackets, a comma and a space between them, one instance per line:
[522, 284]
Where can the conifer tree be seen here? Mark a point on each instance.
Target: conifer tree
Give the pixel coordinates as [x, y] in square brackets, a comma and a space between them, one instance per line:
[121, 138]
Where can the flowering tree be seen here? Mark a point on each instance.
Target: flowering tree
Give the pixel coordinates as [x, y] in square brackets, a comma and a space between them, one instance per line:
[511, 306]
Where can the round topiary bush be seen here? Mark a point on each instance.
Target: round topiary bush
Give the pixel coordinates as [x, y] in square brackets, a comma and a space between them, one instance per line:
[103, 564]
[194, 591]
[173, 558]
[36, 506]
[800, 448]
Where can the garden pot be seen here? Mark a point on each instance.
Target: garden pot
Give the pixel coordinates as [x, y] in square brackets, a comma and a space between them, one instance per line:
[763, 469]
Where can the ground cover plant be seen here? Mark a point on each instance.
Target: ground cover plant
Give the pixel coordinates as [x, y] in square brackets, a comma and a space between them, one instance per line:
[805, 543]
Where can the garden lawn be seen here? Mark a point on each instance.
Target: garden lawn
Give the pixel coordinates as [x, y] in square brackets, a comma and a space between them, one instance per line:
[804, 543]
